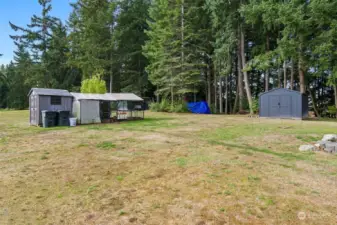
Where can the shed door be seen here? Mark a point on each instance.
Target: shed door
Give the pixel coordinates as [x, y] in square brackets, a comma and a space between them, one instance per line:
[285, 106]
[274, 109]
[280, 106]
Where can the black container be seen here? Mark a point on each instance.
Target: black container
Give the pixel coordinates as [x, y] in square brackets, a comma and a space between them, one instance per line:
[48, 118]
[63, 118]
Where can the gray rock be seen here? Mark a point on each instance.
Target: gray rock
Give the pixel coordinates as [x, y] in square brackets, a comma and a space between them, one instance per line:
[331, 147]
[322, 144]
[304, 148]
[330, 137]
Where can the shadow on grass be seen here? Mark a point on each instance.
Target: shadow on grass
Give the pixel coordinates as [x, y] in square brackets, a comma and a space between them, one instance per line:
[285, 155]
[322, 119]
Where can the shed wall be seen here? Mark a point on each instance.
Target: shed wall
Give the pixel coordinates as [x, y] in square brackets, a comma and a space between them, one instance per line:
[34, 109]
[44, 104]
[90, 111]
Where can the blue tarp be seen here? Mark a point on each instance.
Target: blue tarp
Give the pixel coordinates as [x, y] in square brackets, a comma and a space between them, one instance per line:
[199, 107]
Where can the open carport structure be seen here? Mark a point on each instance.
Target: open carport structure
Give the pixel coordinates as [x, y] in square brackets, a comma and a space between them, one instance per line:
[104, 108]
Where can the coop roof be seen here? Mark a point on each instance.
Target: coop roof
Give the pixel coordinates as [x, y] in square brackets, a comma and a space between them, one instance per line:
[107, 96]
[50, 92]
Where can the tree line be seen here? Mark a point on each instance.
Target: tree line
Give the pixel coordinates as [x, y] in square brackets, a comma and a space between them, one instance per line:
[224, 52]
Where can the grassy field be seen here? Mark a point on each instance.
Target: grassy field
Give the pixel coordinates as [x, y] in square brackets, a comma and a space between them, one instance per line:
[167, 169]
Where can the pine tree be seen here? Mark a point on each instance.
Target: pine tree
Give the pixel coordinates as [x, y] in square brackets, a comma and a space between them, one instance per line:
[19, 78]
[91, 36]
[36, 37]
[129, 36]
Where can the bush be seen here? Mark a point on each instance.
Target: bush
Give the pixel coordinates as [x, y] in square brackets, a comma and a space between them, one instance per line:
[179, 107]
[155, 106]
[94, 85]
[165, 106]
[255, 105]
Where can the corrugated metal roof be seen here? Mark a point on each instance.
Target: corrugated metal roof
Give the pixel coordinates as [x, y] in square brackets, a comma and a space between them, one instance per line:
[107, 97]
[280, 89]
[126, 97]
[53, 92]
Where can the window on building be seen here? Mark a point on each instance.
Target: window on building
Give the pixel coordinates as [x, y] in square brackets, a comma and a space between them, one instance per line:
[55, 100]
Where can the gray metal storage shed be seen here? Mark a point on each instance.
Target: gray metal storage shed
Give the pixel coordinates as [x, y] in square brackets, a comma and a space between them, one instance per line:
[283, 103]
[47, 99]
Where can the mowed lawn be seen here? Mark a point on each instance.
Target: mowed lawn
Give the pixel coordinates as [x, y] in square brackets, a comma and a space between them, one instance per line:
[166, 169]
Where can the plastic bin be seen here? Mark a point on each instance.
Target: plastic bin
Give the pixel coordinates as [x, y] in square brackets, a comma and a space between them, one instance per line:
[72, 122]
[63, 118]
[48, 118]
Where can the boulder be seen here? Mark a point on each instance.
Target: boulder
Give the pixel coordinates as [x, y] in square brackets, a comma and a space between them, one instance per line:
[330, 137]
[322, 144]
[304, 148]
[330, 147]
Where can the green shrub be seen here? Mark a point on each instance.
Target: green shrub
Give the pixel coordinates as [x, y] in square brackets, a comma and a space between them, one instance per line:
[94, 84]
[255, 105]
[155, 106]
[179, 107]
[165, 106]
[332, 109]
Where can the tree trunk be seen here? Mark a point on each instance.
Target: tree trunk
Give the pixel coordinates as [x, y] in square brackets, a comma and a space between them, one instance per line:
[300, 67]
[110, 85]
[314, 103]
[240, 81]
[171, 90]
[245, 74]
[335, 94]
[157, 96]
[182, 35]
[301, 75]
[215, 92]
[172, 96]
[229, 92]
[284, 74]
[209, 91]
[226, 95]
[194, 95]
[236, 97]
[220, 96]
[279, 73]
[292, 75]
[266, 78]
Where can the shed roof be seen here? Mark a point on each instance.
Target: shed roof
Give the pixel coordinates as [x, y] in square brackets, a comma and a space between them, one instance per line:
[52, 92]
[280, 89]
[107, 96]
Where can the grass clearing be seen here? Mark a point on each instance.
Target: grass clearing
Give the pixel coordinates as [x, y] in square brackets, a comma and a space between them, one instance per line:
[168, 168]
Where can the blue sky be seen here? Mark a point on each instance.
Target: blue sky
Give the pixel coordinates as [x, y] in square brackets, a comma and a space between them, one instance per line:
[19, 13]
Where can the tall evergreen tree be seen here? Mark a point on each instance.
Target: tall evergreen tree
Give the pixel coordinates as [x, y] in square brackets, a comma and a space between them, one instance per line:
[36, 37]
[129, 37]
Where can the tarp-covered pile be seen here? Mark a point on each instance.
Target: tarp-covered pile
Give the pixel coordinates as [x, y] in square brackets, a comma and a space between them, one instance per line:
[199, 107]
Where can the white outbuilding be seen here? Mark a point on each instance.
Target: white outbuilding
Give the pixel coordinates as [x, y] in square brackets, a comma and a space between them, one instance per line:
[109, 107]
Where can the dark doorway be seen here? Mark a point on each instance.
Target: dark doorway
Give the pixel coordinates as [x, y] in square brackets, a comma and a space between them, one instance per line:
[105, 111]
